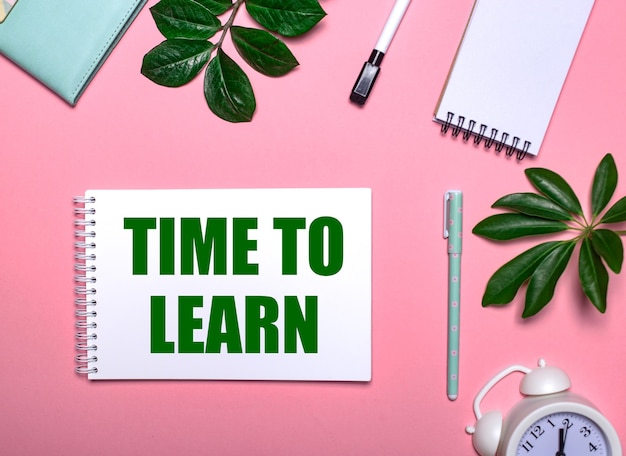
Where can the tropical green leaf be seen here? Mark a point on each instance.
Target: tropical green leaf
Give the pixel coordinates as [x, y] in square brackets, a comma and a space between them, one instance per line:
[185, 19]
[617, 212]
[227, 90]
[502, 227]
[217, 7]
[286, 17]
[543, 280]
[263, 51]
[608, 245]
[176, 62]
[533, 204]
[593, 275]
[604, 184]
[557, 208]
[506, 281]
[554, 187]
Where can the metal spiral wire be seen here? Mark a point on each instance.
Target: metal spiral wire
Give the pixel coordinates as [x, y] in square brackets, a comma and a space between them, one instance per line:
[495, 137]
[85, 299]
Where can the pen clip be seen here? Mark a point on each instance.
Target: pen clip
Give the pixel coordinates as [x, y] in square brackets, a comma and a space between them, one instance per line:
[446, 215]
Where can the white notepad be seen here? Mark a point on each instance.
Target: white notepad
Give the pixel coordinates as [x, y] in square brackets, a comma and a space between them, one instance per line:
[259, 284]
[509, 70]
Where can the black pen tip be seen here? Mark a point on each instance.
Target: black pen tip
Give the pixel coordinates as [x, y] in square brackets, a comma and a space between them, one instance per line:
[364, 83]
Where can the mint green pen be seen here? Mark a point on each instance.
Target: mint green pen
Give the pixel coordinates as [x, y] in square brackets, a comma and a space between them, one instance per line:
[453, 232]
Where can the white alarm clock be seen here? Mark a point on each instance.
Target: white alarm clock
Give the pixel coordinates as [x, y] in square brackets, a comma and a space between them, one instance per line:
[548, 421]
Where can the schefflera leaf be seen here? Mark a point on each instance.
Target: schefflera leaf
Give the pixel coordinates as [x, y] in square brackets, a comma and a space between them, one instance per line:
[503, 227]
[506, 281]
[543, 280]
[534, 205]
[608, 245]
[263, 51]
[616, 213]
[604, 184]
[174, 63]
[593, 275]
[554, 187]
[227, 90]
[185, 19]
[286, 17]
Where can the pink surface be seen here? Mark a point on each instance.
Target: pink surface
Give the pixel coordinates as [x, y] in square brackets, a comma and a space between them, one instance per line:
[129, 133]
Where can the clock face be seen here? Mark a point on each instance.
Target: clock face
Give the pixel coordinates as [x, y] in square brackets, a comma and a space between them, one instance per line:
[563, 434]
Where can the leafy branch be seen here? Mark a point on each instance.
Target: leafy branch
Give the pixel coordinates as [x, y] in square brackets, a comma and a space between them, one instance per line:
[556, 208]
[188, 25]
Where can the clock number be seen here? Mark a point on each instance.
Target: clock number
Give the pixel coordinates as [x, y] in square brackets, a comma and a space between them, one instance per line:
[527, 446]
[585, 431]
[592, 447]
[551, 423]
[537, 432]
[567, 423]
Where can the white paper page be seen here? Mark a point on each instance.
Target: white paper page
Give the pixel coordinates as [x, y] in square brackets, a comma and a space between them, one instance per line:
[343, 296]
[511, 66]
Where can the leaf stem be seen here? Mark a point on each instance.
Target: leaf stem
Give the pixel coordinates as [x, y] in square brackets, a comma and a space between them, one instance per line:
[581, 224]
[229, 22]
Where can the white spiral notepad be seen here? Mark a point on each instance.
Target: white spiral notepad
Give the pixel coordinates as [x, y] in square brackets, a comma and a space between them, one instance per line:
[509, 69]
[258, 284]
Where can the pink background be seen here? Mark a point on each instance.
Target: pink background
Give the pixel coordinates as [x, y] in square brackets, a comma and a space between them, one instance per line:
[127, 132]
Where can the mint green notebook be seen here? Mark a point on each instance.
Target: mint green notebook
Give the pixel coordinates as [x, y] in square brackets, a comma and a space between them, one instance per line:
[63, 44]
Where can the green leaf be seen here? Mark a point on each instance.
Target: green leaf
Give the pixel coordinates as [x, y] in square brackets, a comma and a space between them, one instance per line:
[608, 245]
[217, 7]
[176, 62]
[502, 227]
[554, 187]
[617, 212]
[533, 204]
[543, 280]
[506, 281]
[227, 90]
[263, 51]
[185, 19]
[593, 275]
[286, 17]
[604, 184]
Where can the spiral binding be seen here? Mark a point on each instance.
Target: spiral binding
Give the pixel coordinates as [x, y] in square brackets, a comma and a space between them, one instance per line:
[85, 299]
[480, 135]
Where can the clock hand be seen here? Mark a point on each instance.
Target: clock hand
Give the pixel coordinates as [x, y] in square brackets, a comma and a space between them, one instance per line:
[562, 437]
